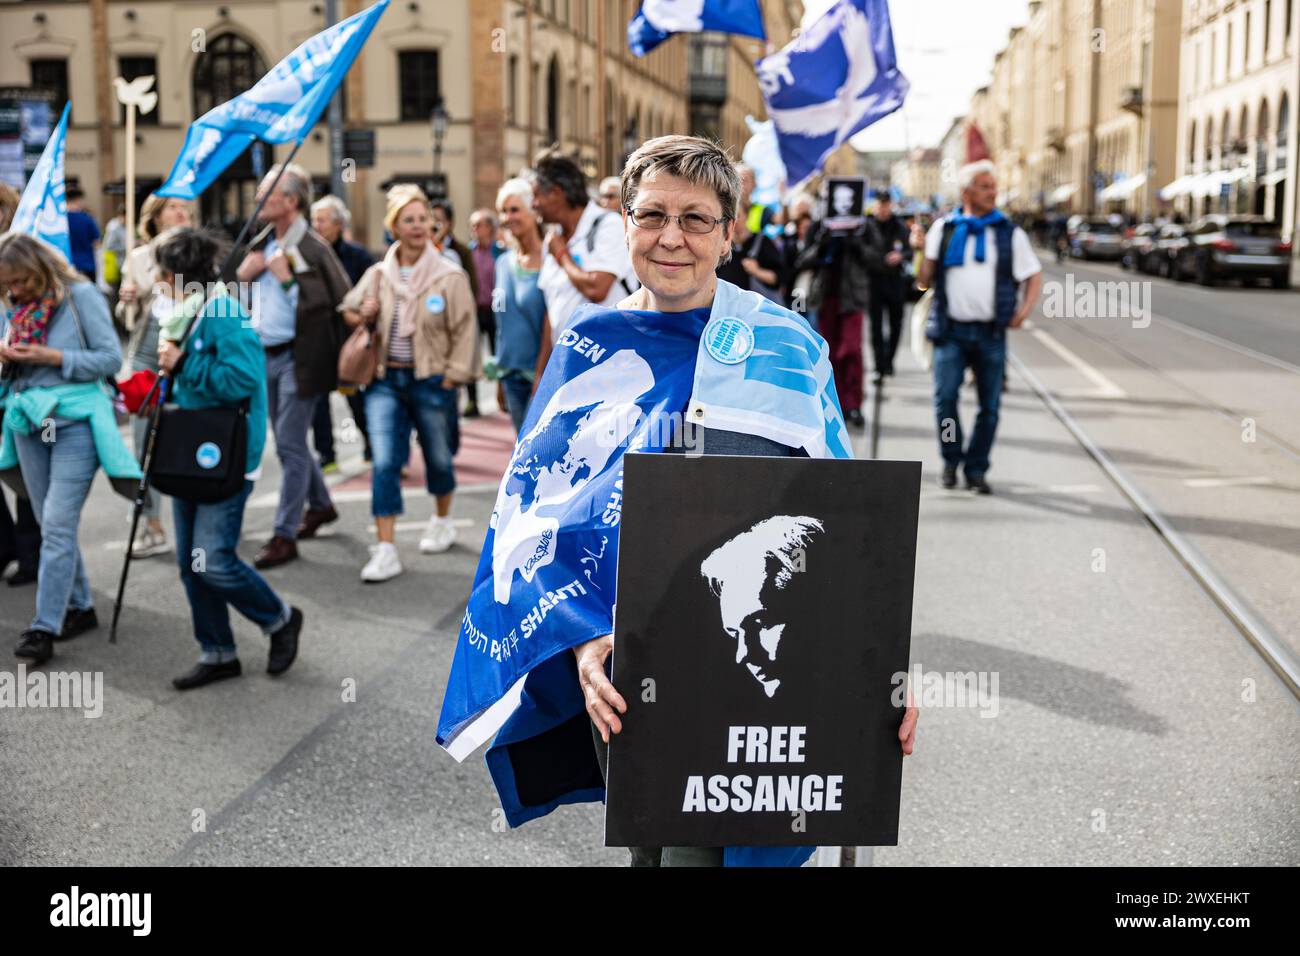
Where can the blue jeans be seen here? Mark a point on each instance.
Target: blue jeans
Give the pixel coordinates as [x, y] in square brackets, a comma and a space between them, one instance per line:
[58, 474]
[216, 578]
[301, 481]
[394, 404]
[983, 348]
[518, 391]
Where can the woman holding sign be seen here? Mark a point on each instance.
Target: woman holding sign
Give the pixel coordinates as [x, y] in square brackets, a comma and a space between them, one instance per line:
[426, 333]
[530, 662]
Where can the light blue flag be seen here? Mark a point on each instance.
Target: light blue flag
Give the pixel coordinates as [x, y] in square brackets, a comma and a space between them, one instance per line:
[836, 78]
[43, 209]
[657, 20]
[281, 107]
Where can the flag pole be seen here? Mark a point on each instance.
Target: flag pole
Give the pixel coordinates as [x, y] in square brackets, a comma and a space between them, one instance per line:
[222, 272]
[160, 388]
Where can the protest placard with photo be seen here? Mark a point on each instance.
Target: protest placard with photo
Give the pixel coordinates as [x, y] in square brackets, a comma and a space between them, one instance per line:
[764, 609]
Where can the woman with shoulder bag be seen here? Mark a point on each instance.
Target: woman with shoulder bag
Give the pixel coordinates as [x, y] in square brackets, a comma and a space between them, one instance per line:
[220, 364]
[426, 333]
[59, 427]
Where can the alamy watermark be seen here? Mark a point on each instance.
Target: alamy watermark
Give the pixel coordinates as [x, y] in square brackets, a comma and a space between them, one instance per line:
[76, 690]
[963, 689]
[1098, 300]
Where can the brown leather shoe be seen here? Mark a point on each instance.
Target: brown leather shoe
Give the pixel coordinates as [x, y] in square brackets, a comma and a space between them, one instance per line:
[276, 552]
[313, 519]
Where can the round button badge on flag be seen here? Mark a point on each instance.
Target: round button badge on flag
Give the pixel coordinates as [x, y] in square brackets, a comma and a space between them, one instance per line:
[729, 340]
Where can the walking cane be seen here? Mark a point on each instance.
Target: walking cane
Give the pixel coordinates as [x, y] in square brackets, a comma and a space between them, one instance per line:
[160, 387]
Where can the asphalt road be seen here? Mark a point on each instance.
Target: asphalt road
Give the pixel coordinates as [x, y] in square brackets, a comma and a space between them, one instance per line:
[1134, 724]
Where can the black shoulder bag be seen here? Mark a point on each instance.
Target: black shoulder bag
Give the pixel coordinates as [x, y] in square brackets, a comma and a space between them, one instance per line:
[200, 454]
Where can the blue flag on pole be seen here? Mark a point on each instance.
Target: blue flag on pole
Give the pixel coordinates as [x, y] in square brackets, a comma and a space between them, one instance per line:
[281, 107]
[43, 209]
[835, 79]
[657, 20]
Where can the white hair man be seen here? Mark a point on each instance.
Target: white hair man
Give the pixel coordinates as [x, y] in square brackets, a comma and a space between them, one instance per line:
[300, 283]
[986, 279]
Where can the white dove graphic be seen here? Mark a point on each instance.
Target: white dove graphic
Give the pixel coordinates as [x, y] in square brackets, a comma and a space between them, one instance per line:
[136, 92]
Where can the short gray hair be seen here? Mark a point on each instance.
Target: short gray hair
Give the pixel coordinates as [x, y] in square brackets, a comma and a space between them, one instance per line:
[699, 161]
[295, 183]
[518, 187]
[335, 206]
[966, 175]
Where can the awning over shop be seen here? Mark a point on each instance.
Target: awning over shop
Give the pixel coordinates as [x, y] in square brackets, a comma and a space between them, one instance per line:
[1179, 187]
[1123, 188]
[1062, 193]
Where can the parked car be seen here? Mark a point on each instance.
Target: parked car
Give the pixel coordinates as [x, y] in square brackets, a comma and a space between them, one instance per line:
[1164, 257]
[1235, 247]
[1138, 246]
[1094, 237]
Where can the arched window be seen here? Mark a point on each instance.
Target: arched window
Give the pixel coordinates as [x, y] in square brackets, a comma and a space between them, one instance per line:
[1191, 146]
[229, 67]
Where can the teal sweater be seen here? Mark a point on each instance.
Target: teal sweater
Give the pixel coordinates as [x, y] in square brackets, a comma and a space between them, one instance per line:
[28, 412]
[224, 365]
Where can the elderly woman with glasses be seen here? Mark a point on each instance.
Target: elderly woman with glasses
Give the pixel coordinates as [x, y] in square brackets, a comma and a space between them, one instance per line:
[537, 633]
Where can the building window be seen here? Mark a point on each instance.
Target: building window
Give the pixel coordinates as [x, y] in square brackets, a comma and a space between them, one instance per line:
[553, 102]
[133, 67]
[1268, 25]
[229, 67]
[417, 79]
[512, 89]
[52, 75]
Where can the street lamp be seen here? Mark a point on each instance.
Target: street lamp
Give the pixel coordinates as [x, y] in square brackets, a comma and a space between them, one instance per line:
[439, 119]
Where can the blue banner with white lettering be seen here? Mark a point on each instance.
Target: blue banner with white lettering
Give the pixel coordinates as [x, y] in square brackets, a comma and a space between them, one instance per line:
[281, 107]
[43, 209]
[545, 581]
[833, 80]
[657, 20]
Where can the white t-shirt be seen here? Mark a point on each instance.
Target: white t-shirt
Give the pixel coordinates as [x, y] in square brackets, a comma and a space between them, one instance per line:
[608, 254]
[972, 286]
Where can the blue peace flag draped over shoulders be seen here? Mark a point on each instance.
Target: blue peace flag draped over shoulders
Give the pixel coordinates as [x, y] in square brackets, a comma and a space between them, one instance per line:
[618, 380]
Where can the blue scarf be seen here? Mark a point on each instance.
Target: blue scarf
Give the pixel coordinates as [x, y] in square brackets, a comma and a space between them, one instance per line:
[956, 255]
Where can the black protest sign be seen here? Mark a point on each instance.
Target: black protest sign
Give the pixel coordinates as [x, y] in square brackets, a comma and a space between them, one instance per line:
[845, 199]
[764, 609]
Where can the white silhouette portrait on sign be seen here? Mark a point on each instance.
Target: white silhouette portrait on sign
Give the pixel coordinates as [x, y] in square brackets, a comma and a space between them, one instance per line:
[751, 576]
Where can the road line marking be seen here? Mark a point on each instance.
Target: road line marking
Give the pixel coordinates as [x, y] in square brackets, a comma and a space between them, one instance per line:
[1105, 388]
[1228, 482]
[1232, 346]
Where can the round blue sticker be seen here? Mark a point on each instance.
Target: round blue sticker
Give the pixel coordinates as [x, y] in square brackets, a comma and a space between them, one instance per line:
[435, 302]
[729, 340]
[208, 455]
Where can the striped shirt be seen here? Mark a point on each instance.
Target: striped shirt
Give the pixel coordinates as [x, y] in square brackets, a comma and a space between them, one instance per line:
[400, 350]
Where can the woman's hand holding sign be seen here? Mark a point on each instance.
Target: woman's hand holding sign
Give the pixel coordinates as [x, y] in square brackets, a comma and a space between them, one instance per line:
[602, 699]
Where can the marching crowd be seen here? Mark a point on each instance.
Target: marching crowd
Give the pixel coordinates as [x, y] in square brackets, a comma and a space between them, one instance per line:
[304, 307]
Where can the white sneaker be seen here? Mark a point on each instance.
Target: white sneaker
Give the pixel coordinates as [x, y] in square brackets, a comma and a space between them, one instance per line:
[438, 536]
[149, 543]
[383, 564]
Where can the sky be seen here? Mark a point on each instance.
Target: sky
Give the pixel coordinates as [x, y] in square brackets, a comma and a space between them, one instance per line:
[945, 49]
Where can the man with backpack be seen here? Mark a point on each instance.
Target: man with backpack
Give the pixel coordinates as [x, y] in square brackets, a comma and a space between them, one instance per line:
[986, 279]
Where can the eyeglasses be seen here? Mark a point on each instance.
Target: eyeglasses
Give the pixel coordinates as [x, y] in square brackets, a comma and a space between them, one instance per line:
[697, 224]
